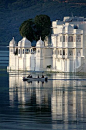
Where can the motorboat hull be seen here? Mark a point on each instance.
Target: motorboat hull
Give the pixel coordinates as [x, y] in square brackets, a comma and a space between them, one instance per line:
[35, 79]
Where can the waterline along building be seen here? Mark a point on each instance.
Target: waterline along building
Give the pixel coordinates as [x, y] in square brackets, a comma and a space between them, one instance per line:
[65, 53]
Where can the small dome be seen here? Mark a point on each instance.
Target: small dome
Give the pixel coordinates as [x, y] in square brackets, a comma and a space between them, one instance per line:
[40, 43]
[12, 43]
[25, 42]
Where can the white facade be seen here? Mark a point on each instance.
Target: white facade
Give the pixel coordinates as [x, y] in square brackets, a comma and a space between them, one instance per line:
[65, 54]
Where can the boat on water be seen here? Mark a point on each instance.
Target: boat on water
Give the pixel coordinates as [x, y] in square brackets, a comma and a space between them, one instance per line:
[35, 79]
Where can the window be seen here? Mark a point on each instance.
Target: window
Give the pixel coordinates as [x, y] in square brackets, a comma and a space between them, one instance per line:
[31, 50]
[63, 38]
[63, 52]
[70, 52]
[70, 38]
[38, 51]
[16, 51]
[78, 38]
[27, 51]
[23, 51]
[78, 53]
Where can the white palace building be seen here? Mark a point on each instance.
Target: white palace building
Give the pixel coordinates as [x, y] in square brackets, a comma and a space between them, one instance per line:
[65, 53]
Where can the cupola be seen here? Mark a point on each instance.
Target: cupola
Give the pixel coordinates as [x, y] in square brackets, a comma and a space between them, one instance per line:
[40, 43]
[12, 43]
[25, 42]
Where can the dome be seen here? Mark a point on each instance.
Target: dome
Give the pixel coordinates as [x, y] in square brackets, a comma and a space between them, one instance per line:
[40, 43]
[25, 42]
[12, 43]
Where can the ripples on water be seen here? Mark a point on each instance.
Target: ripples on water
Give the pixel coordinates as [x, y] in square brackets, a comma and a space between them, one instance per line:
[53, 105]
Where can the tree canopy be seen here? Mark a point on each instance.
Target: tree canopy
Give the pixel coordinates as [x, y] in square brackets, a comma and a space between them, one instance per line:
[26, 29]
[32, 29]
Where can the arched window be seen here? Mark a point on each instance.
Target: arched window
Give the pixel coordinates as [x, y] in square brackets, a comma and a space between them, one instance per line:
[16, 51]
[27, 51]
[23, 51]
[70, 38]
[31, 50]
[38, 51]
[70, 52]
[78, 38]
[63, 38]
[63, 52]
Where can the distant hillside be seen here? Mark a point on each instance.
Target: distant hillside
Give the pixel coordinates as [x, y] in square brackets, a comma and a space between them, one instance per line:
[14, 12]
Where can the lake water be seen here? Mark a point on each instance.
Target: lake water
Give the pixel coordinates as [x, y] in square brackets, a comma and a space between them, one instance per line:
[4, 56]
[59, 104]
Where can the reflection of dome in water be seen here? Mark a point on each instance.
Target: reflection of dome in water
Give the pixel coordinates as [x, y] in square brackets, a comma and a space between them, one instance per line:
[40, 43]
[25, 42]
[12, 43]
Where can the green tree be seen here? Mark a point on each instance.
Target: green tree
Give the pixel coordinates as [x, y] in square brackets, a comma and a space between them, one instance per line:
[33, 29]
[27, 29]
[42, 23]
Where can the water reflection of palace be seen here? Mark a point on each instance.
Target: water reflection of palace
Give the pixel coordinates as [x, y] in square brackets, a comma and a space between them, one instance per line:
[25, 91]
[65, 99]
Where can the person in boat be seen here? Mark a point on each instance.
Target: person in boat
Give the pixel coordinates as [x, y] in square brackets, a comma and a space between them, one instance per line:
[42, 76]
[28, 76]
